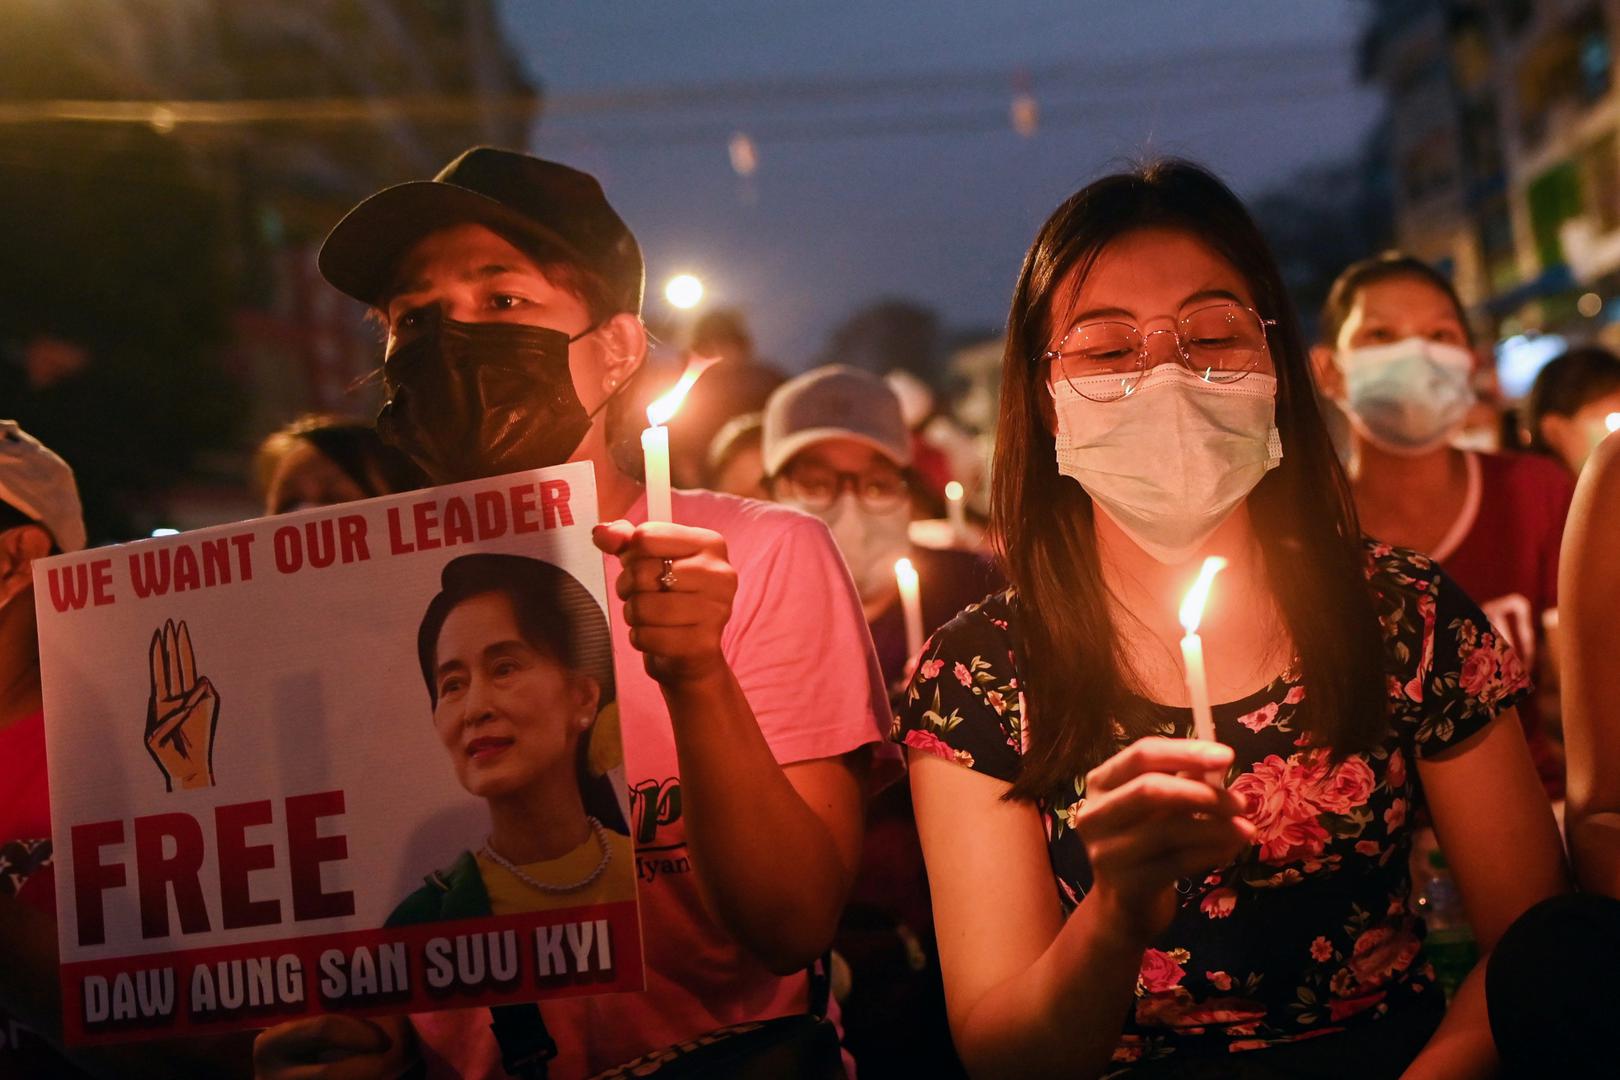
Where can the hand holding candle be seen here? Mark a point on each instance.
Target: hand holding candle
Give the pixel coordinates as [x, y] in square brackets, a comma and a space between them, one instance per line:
[677, 585]
[1192, 654]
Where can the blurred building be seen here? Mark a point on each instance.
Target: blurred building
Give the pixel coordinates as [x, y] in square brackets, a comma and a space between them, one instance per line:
[285, 114]
[1503, 121]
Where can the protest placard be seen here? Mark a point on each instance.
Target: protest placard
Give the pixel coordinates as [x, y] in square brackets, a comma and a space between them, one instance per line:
[363, 758]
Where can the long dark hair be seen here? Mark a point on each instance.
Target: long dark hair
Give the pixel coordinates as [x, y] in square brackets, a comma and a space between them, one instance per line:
[555, 616]
[351, 444]
[1076, 676]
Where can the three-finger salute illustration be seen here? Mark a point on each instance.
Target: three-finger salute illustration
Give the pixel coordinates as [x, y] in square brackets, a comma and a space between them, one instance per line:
[181, 712]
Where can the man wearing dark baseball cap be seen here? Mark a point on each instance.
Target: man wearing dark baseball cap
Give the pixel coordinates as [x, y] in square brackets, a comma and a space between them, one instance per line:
[544, 207]
[501, 264]
[511, 293]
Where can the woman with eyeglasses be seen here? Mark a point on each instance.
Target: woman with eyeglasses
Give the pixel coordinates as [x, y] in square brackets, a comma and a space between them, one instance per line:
[836, 446]
[1396, 355]
[1112, 896]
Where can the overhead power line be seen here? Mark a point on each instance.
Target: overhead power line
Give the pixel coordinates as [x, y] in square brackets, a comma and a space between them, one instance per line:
[1307, 57]
[964, 121]
[1117, 77]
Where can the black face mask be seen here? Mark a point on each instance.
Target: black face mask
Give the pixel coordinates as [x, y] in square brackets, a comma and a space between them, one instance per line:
[469, 400]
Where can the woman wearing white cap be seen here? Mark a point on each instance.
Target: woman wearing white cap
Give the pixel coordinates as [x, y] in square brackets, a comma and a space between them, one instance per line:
[836, 446]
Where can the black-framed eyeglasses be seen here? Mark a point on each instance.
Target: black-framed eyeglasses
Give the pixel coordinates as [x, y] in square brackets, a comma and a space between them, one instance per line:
[1105, 359]
[817, 488]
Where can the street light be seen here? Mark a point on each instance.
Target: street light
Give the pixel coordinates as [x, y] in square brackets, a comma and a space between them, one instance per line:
[683, 291]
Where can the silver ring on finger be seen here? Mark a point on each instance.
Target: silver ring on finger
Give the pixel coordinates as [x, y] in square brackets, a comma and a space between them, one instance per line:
[666, 580]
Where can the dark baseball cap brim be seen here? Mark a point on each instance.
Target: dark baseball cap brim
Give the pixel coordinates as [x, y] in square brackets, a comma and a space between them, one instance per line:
[362, 253]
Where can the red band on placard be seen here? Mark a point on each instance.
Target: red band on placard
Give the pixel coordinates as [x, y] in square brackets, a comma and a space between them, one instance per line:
[441, 965]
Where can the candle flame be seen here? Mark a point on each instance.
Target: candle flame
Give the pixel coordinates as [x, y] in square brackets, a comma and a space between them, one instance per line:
[1192, 608]
[953, 491]
[904, 572]
[663, 408]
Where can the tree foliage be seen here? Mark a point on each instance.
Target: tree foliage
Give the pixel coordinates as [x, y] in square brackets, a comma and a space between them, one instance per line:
[114, 245]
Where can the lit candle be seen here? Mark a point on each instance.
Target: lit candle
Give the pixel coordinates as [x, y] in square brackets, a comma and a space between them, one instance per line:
[905, 575]
[956, 511]
[1192, 654]
[655, 443]
[655, 451]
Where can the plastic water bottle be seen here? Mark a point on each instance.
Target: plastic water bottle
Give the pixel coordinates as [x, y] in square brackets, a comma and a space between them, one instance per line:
[1449, 942]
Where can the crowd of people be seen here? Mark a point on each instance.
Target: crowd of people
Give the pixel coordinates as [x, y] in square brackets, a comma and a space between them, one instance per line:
[1063, 880]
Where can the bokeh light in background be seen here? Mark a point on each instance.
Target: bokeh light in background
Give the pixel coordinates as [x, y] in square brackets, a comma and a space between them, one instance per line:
[1521, 356]
[684, 291]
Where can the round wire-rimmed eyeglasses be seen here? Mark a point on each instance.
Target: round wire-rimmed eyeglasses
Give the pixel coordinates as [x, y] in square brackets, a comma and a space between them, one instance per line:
[1106, 359]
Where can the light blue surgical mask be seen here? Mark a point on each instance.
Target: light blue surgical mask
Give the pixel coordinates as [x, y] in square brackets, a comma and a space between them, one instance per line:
[1170, 461]
[1408, 397]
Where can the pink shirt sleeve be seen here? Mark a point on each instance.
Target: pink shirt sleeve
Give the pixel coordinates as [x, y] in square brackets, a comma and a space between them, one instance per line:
[798, 643]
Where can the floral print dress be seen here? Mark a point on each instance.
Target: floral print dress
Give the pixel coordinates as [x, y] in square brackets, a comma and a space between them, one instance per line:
[1312, 930]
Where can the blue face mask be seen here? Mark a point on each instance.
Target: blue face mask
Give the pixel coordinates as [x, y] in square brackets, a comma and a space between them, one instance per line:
[1408, 397]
